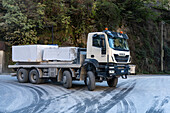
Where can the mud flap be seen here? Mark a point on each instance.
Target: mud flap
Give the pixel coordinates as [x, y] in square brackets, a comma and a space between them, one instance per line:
[124, 76]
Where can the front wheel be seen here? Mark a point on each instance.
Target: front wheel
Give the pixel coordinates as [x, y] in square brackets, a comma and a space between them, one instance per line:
[90, 81]
[67, 79]
[112, 82]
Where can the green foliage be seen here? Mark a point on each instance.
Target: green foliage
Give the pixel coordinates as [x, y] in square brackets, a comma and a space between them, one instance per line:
[162, 4]
[107, 15]
[2, 12]
[167, 56]
[71, 19]
[20, 28]
[80, 17]
[136, 11]
[31, 22]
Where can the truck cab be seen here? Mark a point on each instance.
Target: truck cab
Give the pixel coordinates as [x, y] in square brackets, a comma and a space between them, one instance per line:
[108, 47]
[109, 56]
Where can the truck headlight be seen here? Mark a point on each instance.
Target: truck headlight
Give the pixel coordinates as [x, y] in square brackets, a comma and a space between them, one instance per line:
[111, 71]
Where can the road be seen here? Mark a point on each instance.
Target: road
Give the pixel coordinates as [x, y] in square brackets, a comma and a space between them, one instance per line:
[137, 94]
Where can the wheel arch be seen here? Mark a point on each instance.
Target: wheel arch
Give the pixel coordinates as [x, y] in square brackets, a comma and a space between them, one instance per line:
[89, 65]
[38, 70]
[60, 73]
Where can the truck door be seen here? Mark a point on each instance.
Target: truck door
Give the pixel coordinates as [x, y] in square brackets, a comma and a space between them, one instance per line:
[99, 48]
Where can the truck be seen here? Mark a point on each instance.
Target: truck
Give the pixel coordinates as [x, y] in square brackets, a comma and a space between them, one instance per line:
[106, 58]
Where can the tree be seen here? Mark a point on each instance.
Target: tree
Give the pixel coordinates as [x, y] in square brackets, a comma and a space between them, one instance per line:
[136, 11]
[80, 19]
[71, 19]
[107, 15]
[19, 27]
[2, 13]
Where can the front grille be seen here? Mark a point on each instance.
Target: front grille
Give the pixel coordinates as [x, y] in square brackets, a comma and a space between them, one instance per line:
[121, 58]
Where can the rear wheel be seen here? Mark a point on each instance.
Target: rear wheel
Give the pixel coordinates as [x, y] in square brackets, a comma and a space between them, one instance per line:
[34, 77]
[22, 75]
[90, 80]
[112, 82]
[67, 79]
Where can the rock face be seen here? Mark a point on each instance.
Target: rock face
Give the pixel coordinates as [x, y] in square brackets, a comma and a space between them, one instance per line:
[145, 46]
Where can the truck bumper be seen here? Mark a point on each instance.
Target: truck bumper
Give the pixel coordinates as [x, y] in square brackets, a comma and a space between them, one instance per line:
[118, 70]
[112, 70]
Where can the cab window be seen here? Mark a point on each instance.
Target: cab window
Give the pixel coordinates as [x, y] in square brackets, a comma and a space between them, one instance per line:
[97, 40]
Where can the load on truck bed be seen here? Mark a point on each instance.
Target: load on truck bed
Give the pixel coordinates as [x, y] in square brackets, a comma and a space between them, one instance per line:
[29, 53]
[106, 58]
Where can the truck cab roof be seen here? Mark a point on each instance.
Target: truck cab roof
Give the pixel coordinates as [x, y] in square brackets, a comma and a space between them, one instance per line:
[111, 34]
[115, 34]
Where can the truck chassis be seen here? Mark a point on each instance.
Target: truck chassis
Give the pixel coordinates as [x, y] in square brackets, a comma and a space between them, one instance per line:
[89, 71]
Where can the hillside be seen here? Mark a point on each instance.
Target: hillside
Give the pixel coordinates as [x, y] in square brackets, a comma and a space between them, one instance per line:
[32, 22]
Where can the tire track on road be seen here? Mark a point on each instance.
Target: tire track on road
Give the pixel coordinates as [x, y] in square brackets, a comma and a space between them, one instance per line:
[40, 105]
[115, 99]
[158, 105]
[126, 106]
[43, 99]
[88, 102]
[14, 97]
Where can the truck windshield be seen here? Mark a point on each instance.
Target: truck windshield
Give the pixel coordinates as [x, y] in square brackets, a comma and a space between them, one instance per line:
[118, 43]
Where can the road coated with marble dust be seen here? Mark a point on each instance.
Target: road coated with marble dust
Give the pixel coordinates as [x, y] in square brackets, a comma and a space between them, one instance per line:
[137, 94]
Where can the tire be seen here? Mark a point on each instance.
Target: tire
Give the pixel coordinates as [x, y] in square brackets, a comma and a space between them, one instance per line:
[67, 79]
[22, 75]
[34, 77]
[90, 81]
[112, 82]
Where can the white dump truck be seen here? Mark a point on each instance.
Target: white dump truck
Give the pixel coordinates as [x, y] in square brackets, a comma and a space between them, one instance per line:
[106, 58]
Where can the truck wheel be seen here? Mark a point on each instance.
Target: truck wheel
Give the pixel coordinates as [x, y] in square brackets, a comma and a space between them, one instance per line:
[90, 81]
[22, 75]
[112, 82]
[67, 79]
[34, 77]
